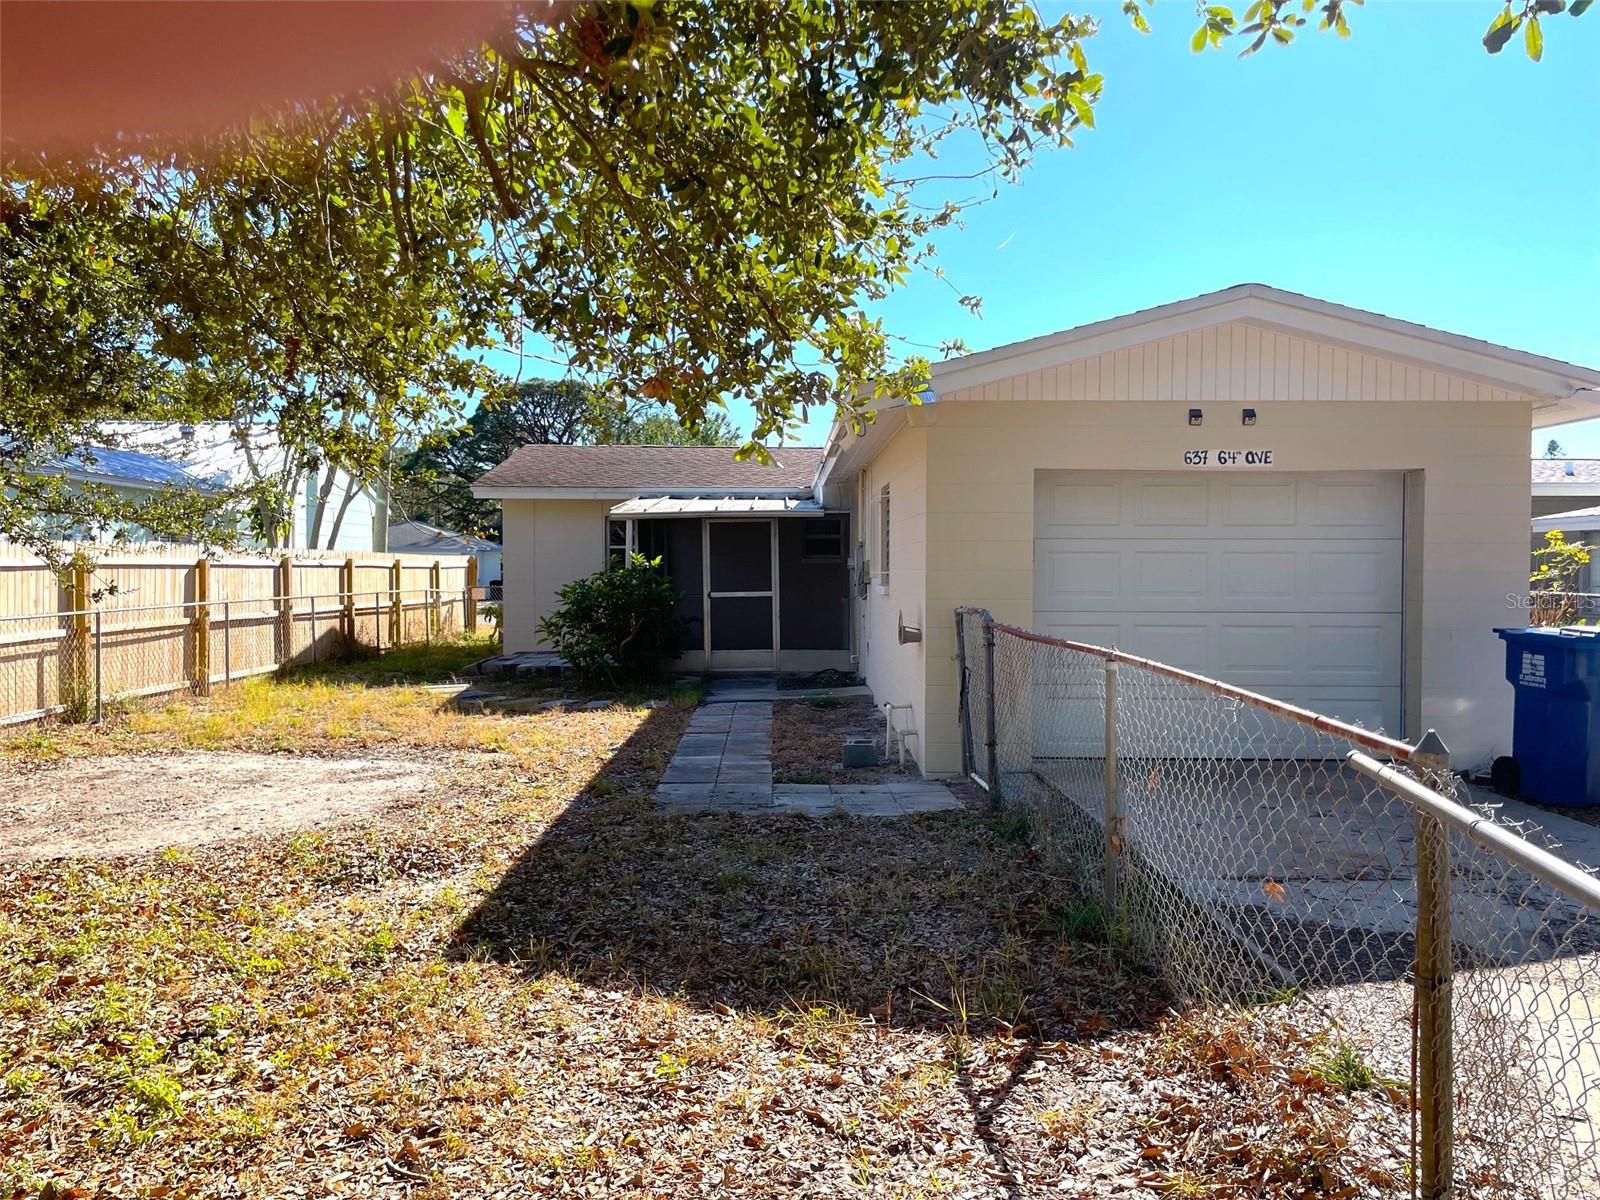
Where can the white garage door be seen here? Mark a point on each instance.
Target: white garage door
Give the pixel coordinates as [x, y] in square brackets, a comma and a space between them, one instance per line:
[1285, 584]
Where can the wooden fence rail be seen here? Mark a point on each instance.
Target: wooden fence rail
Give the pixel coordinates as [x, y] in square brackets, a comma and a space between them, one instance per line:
[148, 621]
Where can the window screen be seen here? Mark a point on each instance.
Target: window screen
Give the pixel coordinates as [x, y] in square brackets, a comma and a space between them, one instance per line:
[883, 536]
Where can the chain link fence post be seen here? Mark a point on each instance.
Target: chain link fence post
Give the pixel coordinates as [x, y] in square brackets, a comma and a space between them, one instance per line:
[963, 700]
[1433, 983]
[314, 650]
[991, 734]
[227, 644]
[1111, 885]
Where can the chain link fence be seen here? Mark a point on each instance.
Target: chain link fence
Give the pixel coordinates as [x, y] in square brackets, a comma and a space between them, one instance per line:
[73, 664]
[1253, 852]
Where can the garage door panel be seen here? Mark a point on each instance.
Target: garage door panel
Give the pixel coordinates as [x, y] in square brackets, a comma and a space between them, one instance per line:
[1285, 584]
[1274, 504]
[1257, 574]
[1263, 654]
[1355, 508]
[1078, 575]
[1153, 504]
[1165, 505]
[1216, 575]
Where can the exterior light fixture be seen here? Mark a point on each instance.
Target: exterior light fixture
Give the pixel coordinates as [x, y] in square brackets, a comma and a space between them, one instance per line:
[1194, 416]
[1249, 416]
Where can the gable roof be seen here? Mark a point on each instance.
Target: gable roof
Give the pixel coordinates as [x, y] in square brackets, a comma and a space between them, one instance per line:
[1562, 391]
[606, 472]
[1567, 470]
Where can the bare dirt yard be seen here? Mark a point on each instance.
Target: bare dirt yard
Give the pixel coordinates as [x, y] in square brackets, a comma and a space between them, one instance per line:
[98, 807]
[514, 977]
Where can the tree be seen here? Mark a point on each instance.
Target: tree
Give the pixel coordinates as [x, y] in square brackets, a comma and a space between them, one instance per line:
[1280, 20]
[434, 482]
[1554, 450]
[693, 202]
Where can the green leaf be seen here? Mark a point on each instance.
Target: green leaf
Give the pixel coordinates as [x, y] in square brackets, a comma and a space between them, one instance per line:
[1198, 42]
[1576, 9]
[1500, 31]
[1533, 39]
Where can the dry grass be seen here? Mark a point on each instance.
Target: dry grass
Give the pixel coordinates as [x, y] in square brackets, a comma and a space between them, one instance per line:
[539, 986]
[808, 739]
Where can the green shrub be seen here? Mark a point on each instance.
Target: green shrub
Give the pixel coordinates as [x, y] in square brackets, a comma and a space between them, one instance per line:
[619, 625]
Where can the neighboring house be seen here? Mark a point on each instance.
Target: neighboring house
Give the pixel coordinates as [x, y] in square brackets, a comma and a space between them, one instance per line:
[327, 509]
[1564, 484]
[417, 537]
[1319, 503]
[130, 474]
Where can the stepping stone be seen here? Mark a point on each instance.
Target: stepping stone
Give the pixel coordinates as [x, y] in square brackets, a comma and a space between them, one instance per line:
[684, 793]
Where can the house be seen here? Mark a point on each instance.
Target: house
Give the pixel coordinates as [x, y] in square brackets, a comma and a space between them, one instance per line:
[418, 537]
[130, 474]
[1312, 501]
[1566, 496]
[323, 508]
[762, 566]
[1564, 484]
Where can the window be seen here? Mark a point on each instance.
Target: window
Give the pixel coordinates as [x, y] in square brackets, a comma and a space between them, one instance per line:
[824, 540]
[619, 542]
[883, 536]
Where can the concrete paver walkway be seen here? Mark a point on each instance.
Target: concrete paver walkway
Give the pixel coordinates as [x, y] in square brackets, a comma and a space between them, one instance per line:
[724, 763]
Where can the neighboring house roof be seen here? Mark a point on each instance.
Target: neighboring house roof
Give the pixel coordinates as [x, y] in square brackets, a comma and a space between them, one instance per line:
[418, 536]
[1579, 519]
[607, 472]
[133, 469]
[1574, 471]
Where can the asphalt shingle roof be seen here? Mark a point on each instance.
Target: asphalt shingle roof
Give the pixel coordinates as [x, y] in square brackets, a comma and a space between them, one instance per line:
[1556, 470]
[653, 468]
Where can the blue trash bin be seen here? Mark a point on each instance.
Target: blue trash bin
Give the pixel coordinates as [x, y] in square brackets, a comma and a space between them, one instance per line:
[1555, 733]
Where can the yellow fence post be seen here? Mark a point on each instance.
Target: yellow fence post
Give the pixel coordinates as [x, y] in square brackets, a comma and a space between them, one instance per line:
[397, 617]
[202, 626]
[286, 609]
[347, 585]
[75, 695]
[471, 616]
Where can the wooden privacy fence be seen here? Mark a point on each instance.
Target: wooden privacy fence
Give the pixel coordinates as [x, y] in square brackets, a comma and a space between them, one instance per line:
[151, 621]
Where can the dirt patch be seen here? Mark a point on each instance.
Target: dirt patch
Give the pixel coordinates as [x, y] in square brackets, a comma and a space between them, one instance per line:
[808, 739]
[106, 807]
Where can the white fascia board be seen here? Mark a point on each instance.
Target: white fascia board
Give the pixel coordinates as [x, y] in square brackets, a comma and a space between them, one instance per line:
[1575, 488]
[846, 452]
[1546, 379]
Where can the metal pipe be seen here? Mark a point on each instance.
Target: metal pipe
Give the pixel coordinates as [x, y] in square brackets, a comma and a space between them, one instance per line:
[99, 670]
[1113, 808]
[1573, 882]
[227, 644]
[991, 740]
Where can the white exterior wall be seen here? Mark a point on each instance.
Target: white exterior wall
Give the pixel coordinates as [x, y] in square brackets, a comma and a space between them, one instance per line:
[1319, 408]
[546, 544]
[895, 672]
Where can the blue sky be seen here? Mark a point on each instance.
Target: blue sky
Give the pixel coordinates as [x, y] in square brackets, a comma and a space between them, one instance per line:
[1402, 170]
